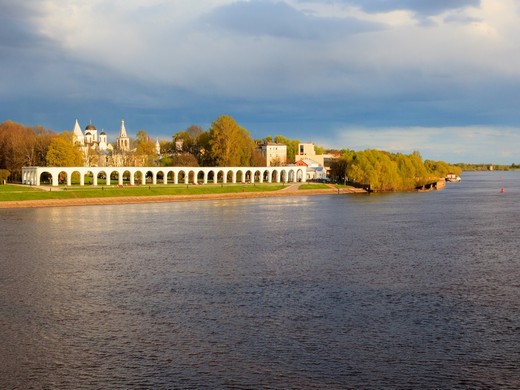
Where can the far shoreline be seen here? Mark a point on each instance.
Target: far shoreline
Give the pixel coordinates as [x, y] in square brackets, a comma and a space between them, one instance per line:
[169, 198]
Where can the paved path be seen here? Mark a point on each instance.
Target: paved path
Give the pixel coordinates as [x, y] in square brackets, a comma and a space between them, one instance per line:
[43, 188]
[292, 187]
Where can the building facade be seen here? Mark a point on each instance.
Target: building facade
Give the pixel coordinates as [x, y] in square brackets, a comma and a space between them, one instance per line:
[306, 151]
[275, 154]
[123, 142]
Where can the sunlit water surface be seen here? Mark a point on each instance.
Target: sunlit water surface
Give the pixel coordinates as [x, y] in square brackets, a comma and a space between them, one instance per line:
[418, 290]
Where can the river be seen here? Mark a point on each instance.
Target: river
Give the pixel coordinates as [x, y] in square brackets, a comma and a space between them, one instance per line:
[413, 290]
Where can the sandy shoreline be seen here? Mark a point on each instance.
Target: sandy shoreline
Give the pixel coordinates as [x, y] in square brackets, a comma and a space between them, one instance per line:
[166, 198]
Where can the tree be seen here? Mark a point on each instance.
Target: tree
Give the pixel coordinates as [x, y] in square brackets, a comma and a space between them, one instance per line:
[258, 159]
[338, 169]
[22, 146]
[4, 174]
[231, 145]
[193, 140]
[204, 148]
[145, 148]
[182, 142]
[183, 160]
[42, 141]
[385, 171]
[194, 132]
[319, 149]
[62, 153]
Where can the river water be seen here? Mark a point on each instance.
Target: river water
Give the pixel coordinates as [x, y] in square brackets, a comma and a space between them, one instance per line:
[416, 290]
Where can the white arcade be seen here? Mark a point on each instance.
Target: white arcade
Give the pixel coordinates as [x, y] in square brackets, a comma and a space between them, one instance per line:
[165, 175]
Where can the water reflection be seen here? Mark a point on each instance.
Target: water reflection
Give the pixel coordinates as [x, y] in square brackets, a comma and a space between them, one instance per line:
[398, 291]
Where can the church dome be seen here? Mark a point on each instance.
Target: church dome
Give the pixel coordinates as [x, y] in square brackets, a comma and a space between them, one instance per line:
[90, 126]
[103, 133]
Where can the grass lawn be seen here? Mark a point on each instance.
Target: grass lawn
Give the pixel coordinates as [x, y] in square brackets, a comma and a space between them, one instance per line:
[318, 186]
[17, 193]
[6, 188]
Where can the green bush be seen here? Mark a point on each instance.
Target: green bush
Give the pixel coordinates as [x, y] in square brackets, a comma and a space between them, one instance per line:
[4, 174]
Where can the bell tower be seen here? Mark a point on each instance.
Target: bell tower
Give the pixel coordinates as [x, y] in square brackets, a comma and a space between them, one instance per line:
[123, 142]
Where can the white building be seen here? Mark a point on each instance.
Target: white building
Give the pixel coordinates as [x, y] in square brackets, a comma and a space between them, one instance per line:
[275, 154]
[89, 139]
[314, 170]
[97, 151]
[306, 151]
[123, 142]
[157, 147]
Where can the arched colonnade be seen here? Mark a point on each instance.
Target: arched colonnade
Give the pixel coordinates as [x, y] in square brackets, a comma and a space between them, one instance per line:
[165, 175]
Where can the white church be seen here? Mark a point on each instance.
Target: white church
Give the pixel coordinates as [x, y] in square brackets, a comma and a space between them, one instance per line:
[97, 151]
[90, 138]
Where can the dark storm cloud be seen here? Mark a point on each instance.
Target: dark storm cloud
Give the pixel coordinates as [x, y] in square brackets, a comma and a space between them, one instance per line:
[282, 21]
[17, 28]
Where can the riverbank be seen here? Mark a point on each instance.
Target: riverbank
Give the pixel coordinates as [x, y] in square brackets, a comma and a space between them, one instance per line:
[288, 191]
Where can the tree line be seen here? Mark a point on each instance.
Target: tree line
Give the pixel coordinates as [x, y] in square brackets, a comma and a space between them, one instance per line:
[385, 171]
[22, 146]
[224, 143]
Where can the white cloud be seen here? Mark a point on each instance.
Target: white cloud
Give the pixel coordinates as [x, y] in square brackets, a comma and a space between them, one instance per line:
[260, 47]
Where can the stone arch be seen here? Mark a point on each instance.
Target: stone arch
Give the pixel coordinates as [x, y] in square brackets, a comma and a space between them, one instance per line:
[160, 176]
[111, 175]
[239, 176]
[211, 176]
[45, 177]
[63, 176]
[248, 176]
[300, 176]
[266, 176]
[283, 176]
[170, 177]
[192, 176]
[72, 174]
[86, 176]
[125, 175]
[291, 176]
[99, 176]
[182, 176]
[257, 176]
[200, 176]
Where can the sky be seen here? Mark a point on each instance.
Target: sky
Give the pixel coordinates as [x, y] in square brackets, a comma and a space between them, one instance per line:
[441, 77]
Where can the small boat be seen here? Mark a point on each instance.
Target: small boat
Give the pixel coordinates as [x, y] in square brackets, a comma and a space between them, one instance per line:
[453, 178]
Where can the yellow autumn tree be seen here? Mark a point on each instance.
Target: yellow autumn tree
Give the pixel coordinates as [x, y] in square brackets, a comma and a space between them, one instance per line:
[62, 152]
[230, 144]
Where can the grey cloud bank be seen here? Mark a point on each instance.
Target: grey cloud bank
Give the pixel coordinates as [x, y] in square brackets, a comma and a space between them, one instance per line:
[395, 75]
[419, 7]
